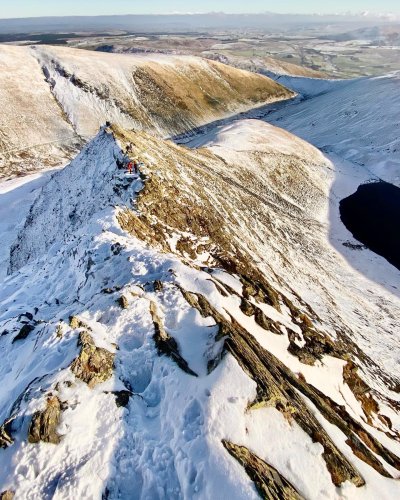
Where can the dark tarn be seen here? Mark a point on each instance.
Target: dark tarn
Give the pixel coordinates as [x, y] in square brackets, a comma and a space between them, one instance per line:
[372, 215]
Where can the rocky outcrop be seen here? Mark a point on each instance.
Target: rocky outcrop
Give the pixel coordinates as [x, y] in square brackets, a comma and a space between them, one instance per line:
[44, 423]
[278, 386]
[270, 484]
[123, 302]
[94, 365]
[165, 343]
[5, 434]
[7, 495]
[75, 323]
[122, 398]
[24, 332]
[260, 290]
[363, 393]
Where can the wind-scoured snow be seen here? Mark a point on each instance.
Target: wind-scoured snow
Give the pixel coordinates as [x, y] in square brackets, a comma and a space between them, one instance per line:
[16, 198]
[356, 120]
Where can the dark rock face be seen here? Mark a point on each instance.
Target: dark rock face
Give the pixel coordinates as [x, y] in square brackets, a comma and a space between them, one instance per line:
[261, 291]
[122, 397]
[123, 302]
[269, 482]
[44, 423]
[5, 435]
[372, 215]
[24, 332]
[166, 344]
[94, 365]
[247, 307]
[27, 315]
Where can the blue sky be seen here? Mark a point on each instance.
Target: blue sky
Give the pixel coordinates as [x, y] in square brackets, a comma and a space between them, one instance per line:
[28, 8]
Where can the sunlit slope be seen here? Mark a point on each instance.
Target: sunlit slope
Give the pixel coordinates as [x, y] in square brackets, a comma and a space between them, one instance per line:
[34, 131]
[54, 98]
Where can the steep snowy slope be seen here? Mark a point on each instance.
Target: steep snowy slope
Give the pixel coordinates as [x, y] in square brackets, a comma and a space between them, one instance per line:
[33, 130]
[16, 198]
[190, 333]
[52, 97]
[359, 121]
[304, 241]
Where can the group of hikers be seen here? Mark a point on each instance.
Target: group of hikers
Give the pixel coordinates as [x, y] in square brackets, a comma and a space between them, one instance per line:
[128, 164]
[132, 165]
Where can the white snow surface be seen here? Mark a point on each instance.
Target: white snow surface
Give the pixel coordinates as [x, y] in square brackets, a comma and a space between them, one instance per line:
[358, 120]
[16, 198]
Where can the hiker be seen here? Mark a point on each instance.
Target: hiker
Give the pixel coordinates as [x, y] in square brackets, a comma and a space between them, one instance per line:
[129, 167]
[136, 166]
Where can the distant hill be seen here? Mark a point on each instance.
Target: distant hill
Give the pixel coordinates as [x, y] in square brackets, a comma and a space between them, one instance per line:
[181, 22]
[56, 98]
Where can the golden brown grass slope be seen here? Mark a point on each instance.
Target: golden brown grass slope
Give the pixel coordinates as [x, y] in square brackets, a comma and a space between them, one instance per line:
[53, 98]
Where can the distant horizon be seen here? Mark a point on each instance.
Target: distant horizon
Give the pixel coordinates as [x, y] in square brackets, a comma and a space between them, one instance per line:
[348, 13]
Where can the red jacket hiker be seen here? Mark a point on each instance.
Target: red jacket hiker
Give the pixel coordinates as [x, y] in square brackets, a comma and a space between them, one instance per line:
[129, 166]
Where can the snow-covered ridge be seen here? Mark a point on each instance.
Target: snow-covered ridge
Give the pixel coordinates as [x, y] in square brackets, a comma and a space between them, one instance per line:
[55, 97]
[357, 120]
[69, 200]
[210, 284]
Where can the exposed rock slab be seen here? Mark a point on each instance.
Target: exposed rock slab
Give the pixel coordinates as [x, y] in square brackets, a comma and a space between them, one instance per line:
[5, 435]
[44, 423]
[94, 365]
[166, 344]
[7, 495]
[269, 482]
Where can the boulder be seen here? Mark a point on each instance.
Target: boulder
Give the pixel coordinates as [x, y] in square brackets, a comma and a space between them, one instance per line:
[94, 365]
[44, 423]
